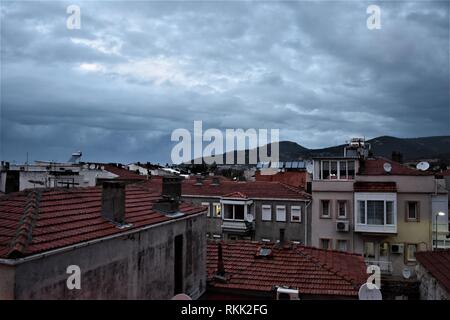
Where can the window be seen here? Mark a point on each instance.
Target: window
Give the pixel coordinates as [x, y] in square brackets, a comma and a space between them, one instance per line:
[341, 245]
[266, 212]
[325, 210]
[412, 211]
[325, 243]
[233, 212]
[217, 209]
[369, 249]
[337, 169]
[281, 213]
[389, 212]
[296, 214]
[361, 217]
[411, 252]
[375, 212]
[206, 204]
[342, 208]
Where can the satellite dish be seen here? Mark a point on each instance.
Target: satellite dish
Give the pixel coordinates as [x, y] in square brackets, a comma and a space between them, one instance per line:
[365, 293]
[387, 167]
[310, 168]
[423, 166]
[92, 166]
[102, 167]
[406, 273]
[249, 218]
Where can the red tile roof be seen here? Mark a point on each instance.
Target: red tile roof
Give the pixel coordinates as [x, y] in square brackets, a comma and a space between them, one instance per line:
[123, 173]
[438, 264]
[374, 167]
[251, 189]
[313, 271]
[375, 186]
[38, 220]
[445, 173]
[236, 195]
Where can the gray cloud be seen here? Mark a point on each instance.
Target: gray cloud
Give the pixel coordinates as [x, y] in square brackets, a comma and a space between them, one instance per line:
[137, 70]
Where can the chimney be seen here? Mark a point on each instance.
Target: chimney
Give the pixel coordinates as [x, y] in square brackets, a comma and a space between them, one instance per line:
[215, 181]
[171, 195]
[113, 202]
[397, 157]
[220, 264]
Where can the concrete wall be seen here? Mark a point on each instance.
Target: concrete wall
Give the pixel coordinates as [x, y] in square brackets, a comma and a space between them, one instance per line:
[294, 231]
[7, 275]
[430, 288]
[135, 266]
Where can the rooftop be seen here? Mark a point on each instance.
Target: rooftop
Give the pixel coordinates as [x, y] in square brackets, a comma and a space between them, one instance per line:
[313, 271]
[249, 189]
[438, 264]
[375, 167]
[123, 174]
[39, 220]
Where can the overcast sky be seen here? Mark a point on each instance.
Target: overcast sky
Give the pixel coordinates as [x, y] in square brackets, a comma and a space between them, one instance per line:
[135, 71]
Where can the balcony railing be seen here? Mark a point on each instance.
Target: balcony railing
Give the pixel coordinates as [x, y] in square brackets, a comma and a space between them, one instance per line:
[385, 266]
[375, 228]
[237, 226]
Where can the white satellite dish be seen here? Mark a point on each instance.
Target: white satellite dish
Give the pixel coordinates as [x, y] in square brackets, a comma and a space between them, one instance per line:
[102, 167]
[423, 166]
[406, 273]
[387, 167]
[310, 167]
[249, 218]
[365, 293]
[92, 166]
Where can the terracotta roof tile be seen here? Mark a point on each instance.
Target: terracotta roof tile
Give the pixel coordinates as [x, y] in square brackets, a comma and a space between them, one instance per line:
[311, 270]
[124, 173]
[250, 189]
[375, 186]
[374, 167]
[37, 220]
[438, 264]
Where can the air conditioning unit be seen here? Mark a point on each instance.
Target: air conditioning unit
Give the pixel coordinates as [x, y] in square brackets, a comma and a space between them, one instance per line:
[285, 293]
[397, 248]
[342, 226]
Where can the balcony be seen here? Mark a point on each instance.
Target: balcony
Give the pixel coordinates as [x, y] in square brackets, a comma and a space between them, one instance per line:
[385, 266]
[236, 226]
[376, 228]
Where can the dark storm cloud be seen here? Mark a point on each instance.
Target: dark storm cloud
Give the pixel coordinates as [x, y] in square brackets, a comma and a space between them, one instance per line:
[135, 71]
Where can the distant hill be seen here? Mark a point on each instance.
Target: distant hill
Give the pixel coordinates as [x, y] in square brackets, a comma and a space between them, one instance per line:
[437, 147]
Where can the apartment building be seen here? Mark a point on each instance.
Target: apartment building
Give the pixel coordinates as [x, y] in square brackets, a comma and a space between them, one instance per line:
[251, 210]
[376, 207]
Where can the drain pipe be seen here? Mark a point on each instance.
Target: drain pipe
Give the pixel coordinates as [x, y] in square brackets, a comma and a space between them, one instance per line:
[306, 222]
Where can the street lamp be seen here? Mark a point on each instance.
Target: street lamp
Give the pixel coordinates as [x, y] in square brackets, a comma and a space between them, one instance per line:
[439, 214]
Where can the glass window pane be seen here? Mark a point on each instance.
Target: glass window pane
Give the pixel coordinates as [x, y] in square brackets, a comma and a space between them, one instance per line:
[325, 208]
[412, 210]
[342, 169]
[228, 211]
[375, 212]
[342, 208]
[369, 250]
[361, 217]
[239, 212]
[351, 169]
[333, 170]
[325, 169]
[389, 212]
[411, 252]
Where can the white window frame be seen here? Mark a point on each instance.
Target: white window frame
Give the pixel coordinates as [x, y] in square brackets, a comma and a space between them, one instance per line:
[208, 205]
[385, 197]
[321, 208]
[263, 212]
[345, 209]
[299, 215]
[338, 172]
[280, 216]
[340, 241]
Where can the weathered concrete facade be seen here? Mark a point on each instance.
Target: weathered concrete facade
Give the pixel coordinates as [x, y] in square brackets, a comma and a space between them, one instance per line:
[139, 264]
[262, 230]
[430, 288]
